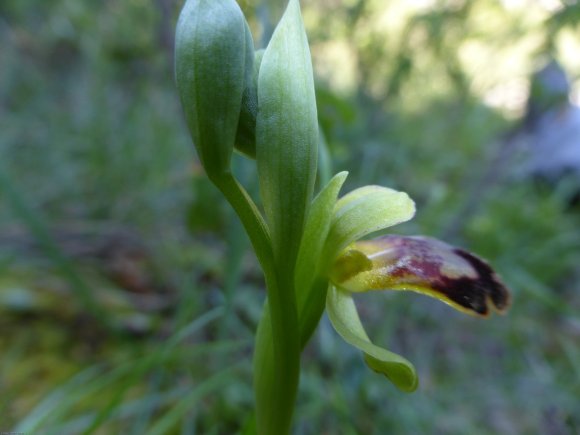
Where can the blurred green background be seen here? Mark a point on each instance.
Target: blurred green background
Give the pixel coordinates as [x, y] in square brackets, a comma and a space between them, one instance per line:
[128, 293]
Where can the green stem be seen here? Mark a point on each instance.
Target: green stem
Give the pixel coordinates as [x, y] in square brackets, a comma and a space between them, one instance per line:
[266, 375]
[276, 376]
[251, 218]
[277, 353]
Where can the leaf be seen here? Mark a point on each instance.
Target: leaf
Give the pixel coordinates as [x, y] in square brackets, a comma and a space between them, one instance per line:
[344, 317]
[424, 265]
[287, 134]
[364, 211]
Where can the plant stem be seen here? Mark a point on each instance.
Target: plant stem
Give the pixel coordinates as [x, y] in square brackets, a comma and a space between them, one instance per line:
[251, 218]
[277, 353]
[276, 372]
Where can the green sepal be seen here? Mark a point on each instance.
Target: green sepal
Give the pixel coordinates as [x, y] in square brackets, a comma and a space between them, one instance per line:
[287, 134]
[343, 314]
[213, 59]
[315, 232]
[246, 134]
[310, 284]
[362, 212]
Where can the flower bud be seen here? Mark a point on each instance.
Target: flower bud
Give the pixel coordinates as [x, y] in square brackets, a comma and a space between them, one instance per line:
[246, 134]
[213, 62]
[287, 134]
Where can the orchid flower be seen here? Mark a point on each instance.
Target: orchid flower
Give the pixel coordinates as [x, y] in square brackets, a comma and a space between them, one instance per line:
[263, 105]
[421, 264]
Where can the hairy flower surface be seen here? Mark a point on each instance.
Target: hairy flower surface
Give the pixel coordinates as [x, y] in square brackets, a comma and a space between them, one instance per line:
[416, 263]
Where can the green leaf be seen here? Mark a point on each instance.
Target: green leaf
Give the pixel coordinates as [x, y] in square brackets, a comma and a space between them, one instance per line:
[362, 212]
[344, 317]
[213, 60]
[287, 134]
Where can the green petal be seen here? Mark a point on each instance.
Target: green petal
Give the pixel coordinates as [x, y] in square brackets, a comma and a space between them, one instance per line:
[344, 317]
[287, 134]
[364, 211]
[424, 265]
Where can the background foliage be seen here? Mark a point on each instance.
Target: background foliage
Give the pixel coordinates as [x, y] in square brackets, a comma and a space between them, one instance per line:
[128, 296]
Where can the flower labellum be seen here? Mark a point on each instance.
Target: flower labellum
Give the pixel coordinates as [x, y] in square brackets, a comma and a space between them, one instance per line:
[420, 264]
[424, 265]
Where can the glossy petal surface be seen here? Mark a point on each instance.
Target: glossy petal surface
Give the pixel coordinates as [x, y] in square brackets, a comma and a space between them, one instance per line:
[424, 265]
